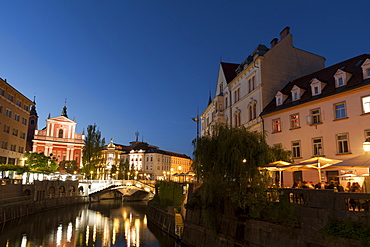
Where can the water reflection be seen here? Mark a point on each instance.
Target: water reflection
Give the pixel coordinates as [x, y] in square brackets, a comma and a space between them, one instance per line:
[108, 223]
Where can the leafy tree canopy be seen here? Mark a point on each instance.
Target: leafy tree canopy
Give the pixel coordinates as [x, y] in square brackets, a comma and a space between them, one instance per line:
[92, 153]
[227, 162]
[41, 162]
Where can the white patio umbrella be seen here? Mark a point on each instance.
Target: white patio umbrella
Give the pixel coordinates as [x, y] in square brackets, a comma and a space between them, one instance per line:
[315, 163]
[278, 166]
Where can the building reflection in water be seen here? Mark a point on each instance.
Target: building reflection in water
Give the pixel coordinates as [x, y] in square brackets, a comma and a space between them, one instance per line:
[106, 223]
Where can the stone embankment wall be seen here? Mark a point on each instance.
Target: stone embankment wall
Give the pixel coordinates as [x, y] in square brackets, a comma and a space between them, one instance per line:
[163, 219]
[317, 207]
[19, 200]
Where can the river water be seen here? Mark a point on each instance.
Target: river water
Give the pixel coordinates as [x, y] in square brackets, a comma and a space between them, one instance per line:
[104, 224]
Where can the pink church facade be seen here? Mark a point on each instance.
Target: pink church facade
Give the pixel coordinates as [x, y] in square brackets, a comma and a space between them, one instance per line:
[60, 139]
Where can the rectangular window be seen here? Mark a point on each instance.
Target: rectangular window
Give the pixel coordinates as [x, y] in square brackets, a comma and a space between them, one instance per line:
[276, 125]
[20, 149]
[294, 121]
[340, 81]
[8, 113]
[24, 121]
[25, 107]
[342, 141]
[10, 97]
[6, 128]
[4, 145]
[295, 95]
[2, 92]
[15, 132]
[18, 102]
[16, 117]
[13, 147]
[1, 109]
[315, 116]
[367, 134]
[317, 146]
[22, 135]
[296, 149]
[340, 110]
[225, 102]
[366, 104]
[316, 90]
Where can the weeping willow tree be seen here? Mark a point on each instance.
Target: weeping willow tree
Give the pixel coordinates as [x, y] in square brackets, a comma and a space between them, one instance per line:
[227, 163]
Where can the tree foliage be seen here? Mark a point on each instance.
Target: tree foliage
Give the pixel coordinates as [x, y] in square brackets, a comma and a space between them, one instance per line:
[69, 166]
[41, 162]
[227, 162]
[92, 153]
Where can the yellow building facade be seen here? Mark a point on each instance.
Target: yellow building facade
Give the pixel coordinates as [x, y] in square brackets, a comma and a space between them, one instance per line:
[14, 116]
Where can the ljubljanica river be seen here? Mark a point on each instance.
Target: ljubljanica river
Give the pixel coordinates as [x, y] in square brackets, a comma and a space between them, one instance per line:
[106, 223]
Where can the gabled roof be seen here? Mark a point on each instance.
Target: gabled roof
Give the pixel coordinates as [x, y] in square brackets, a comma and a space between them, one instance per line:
[229, 70]
[352, 66]
[61, 119]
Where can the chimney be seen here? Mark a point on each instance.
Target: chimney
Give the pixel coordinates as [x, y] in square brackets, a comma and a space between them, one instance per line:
[284, 33]
[274, 42]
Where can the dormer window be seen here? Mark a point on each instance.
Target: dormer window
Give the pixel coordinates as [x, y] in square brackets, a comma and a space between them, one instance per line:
[297, 92]
[317, 86]
[340, 81]
[316, 90]
[341, 78]
[279, 97]
[366, 69]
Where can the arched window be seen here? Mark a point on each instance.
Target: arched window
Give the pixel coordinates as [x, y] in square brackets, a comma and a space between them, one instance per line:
[254, 110]
[60, 135]
[250, 112]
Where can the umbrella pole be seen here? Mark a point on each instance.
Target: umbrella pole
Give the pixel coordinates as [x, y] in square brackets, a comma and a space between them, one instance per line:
[280, 179]
[319, 169]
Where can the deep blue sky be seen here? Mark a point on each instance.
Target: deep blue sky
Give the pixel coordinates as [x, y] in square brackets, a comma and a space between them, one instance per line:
[146, 66]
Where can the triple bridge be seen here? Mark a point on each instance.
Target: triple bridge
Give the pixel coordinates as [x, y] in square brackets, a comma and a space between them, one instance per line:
[134, 189]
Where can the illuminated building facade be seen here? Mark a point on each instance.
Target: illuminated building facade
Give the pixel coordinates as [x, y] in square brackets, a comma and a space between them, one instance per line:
[147, 161]
[244, 89]
[14, 115]
[59, 138]
[325, 113]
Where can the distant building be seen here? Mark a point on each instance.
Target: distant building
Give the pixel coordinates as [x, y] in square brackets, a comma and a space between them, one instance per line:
[148, 161]
[14, 115]
[243, 90]
[60, 139]
[325, 113]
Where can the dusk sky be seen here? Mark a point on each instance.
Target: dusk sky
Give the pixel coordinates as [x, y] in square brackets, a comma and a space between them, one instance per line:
[130, 65]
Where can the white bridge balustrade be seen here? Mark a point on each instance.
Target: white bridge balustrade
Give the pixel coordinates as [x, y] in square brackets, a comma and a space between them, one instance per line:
[125, 187]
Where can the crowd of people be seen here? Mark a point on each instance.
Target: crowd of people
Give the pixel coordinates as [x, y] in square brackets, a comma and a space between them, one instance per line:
[334, 185]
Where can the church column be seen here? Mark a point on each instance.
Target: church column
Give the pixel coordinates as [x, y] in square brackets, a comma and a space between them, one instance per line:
[68, 153]
[34, 147]
[70, 131]
[73, 131]
[72, 154]
[52, 129]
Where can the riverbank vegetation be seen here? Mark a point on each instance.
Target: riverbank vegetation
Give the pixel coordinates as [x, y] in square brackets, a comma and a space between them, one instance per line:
[346, 228]
[168, 194]
[227, 163]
